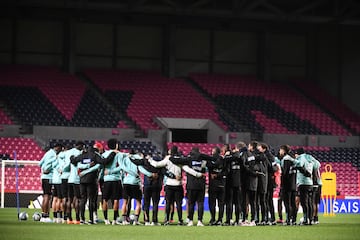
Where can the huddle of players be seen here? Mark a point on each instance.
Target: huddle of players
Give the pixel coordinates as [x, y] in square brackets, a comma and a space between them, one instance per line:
[238, 178]
[72, 178]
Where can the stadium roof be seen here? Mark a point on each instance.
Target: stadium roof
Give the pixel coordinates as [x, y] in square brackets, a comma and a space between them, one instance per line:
[346, 12]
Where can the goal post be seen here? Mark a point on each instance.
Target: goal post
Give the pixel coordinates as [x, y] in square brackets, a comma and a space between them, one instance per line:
[27, 178]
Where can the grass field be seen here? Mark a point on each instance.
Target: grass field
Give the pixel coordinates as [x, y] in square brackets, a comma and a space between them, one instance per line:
[342, 226]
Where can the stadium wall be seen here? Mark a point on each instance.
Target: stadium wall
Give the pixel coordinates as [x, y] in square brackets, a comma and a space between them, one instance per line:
[158, 138]
[337, 63]
[215, 133]
[9, 130]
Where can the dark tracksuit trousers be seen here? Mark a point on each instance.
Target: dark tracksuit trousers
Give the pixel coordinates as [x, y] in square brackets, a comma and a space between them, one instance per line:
[151, 193]
[216, 193]
[174, 194]
[88, 191]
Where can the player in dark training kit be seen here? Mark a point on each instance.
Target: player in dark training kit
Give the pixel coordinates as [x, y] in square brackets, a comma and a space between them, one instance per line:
[288, 183]
[217, 180]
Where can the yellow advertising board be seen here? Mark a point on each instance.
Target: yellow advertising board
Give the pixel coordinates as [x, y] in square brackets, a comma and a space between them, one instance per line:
[328, 192]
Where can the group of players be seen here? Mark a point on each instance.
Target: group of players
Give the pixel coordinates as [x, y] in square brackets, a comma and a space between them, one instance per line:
[241, 182]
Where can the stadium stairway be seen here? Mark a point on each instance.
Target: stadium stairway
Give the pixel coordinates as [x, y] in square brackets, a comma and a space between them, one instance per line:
[111, 99]
[233, 124]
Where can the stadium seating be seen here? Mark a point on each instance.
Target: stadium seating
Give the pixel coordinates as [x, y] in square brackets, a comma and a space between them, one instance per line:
[139, 146]
[31, 106]
[28, 178]
[154, 96]
[330, 103]
[47, 96]
[92, 112]
[264, 107]
[145, 147]
[185, 148]
[25, 148]
[63, 90]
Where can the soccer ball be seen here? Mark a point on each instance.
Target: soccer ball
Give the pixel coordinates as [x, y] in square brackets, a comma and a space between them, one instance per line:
[23, 216]
[132, 218]
[36, 216]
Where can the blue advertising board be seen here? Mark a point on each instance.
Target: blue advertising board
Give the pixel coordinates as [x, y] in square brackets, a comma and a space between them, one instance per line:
[340, 205]
[343, 206]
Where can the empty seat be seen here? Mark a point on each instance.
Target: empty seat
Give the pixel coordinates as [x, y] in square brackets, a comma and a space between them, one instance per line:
[154, 96]
[239, 95]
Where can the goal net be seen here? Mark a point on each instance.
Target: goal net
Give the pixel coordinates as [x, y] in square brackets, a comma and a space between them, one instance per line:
[22, 176]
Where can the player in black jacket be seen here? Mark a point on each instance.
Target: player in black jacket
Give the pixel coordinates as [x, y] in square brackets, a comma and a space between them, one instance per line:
[261, 172]
[271, 185]
[196, 186]
[217, 180]
[288, 183]
[89, 163]
[226, 150]
[244, 156]
[251, 173]
[262, 163]
[234, 196]
[152, 187]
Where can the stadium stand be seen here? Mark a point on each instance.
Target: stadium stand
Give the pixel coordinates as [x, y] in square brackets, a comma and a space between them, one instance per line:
[154, 96]
[26, 148]
[63, 90]
[263, 107]
[185, 148]
[275, 108]
[47, 96]
[330, 103]
[32, 107]
[29, 178]
[144, 147]
[92, 112]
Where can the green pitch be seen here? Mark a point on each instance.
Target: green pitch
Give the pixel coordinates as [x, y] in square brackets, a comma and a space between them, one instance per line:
[342, 226]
